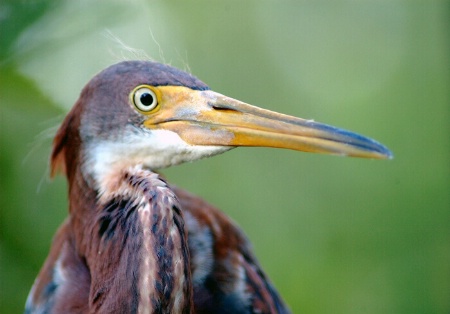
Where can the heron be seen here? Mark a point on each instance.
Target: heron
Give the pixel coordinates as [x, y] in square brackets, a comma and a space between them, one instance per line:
[133, 243]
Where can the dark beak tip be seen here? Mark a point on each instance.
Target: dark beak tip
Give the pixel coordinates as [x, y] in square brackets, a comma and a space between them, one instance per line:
[388, 154]
[382, 151]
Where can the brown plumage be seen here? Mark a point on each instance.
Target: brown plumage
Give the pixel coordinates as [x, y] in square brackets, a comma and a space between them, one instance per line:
[133, 243]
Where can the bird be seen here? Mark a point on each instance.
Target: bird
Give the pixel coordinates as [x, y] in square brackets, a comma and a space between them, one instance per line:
[134, 243]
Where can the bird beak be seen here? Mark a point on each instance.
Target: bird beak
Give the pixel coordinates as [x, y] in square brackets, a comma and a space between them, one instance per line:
[209, 118]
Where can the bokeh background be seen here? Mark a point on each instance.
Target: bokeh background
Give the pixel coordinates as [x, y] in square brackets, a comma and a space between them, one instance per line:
[335, 235]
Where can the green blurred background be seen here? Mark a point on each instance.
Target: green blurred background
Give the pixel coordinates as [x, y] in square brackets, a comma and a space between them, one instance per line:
[335, 235]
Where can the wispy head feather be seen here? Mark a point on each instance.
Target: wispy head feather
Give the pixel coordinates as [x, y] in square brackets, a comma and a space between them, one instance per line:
[126, 52]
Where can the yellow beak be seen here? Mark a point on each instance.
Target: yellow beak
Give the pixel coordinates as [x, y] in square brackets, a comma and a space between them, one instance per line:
[209, 118]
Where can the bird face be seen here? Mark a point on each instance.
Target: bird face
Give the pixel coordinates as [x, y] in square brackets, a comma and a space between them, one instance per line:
[139, 112]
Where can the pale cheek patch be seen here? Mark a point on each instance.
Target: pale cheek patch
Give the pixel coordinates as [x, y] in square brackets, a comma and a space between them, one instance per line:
[153, 149]
[168, 149]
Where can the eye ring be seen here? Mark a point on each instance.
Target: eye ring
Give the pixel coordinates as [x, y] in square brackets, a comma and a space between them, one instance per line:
[144, 98]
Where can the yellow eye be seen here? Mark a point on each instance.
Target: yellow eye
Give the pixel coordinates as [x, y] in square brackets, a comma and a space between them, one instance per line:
[145, 99]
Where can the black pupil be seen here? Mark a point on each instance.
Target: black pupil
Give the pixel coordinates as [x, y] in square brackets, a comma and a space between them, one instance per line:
[147, 99]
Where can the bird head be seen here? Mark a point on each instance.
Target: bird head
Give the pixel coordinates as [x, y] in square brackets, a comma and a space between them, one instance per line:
[147, 113]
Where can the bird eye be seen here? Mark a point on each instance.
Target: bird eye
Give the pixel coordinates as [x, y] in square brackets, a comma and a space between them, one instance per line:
[145, 99]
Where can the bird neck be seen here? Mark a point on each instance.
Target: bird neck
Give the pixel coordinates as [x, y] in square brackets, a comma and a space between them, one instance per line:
[133, 239]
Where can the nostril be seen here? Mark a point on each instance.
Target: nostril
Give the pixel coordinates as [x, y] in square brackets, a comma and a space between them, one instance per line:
[223, 108]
